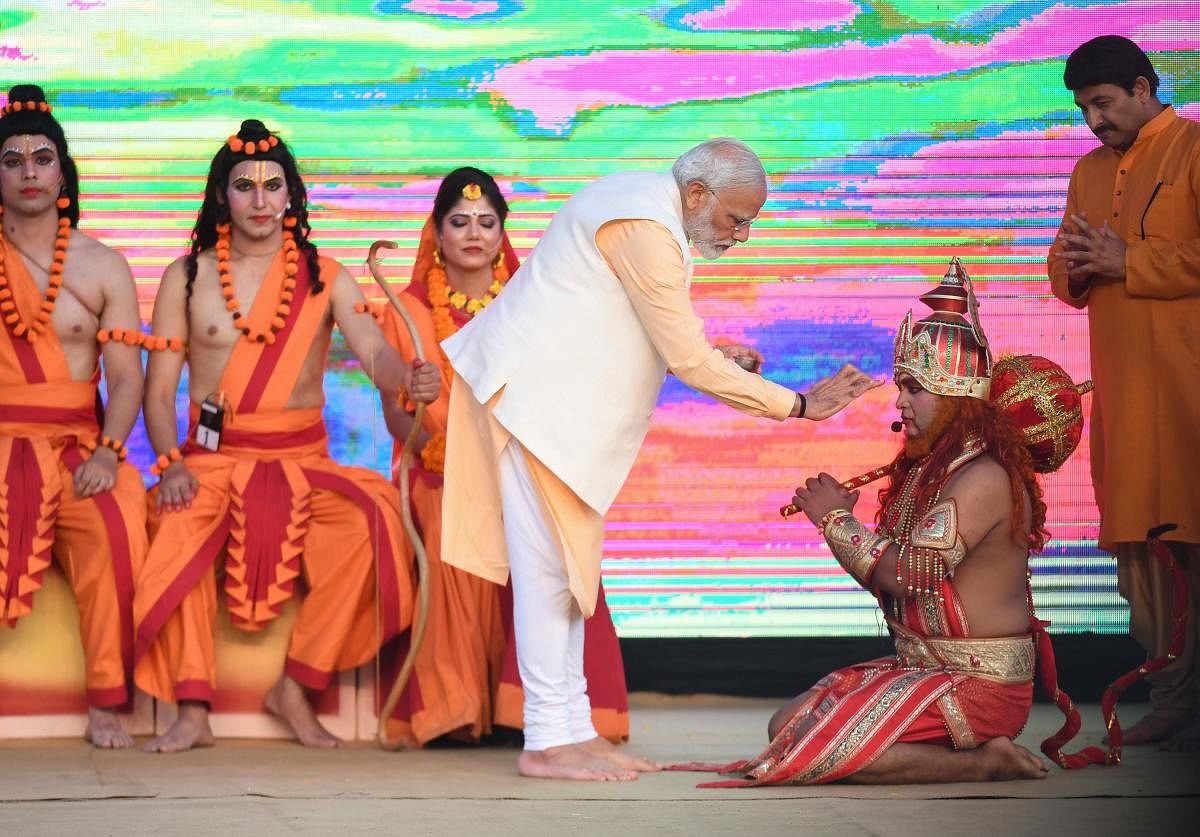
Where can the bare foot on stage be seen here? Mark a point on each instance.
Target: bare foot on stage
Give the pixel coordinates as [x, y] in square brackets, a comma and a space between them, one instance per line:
[571, 761]
[1186, 740]
[1003, 760]
[190, 730]
[105, 731]
[1151, 729]
[605, 749]
[287, 702]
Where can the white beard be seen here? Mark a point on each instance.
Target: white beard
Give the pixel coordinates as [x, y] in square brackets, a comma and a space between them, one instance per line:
[700, 233]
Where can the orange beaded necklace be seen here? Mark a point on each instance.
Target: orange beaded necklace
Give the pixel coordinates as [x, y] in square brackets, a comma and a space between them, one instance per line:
[8, 305]
[291, 256]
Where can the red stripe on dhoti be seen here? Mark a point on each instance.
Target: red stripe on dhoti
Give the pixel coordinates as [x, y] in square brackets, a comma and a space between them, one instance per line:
[49, 415]
[177, 591]
[122, 560]
[389, 584]
[260, 440]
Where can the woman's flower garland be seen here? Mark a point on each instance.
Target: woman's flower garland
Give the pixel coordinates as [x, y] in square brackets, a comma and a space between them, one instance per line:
[8, 305]
[291, 257]
[442, 296]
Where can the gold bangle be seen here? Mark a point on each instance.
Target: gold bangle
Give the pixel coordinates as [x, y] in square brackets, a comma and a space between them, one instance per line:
[855, 547]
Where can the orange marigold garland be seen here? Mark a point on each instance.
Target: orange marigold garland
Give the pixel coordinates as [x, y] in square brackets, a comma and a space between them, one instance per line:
[8, 304]
[441, 297]
[433, 455]
[291, 256]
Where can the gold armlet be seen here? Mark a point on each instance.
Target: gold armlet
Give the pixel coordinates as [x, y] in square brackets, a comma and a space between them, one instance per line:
[855, 547]
[937, 535]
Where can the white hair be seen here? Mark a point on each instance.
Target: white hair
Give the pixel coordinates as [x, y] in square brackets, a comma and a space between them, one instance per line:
[720, 163]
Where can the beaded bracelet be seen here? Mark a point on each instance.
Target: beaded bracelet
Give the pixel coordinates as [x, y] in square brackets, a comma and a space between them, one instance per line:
[155, 343]
[130, 336]
[115, 445]
[149, 342]
[164, 461]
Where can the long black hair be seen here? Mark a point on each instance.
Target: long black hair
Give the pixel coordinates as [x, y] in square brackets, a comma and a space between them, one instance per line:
[214, 210]
[36, 120]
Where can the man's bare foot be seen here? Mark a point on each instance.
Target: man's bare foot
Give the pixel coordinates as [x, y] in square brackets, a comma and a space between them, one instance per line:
[287, 701]
[605, 749]
[105, 731]
[571, 761]
[1151, 729]
[190, 730]
[1186, 740]
[1003, 760]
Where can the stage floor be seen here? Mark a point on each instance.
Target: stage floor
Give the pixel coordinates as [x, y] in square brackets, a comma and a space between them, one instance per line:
[270, 787]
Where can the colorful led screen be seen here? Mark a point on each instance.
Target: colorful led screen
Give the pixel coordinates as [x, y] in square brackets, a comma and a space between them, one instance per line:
[896, 134]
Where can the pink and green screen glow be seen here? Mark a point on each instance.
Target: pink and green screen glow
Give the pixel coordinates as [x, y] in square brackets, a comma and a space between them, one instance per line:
[895, 134]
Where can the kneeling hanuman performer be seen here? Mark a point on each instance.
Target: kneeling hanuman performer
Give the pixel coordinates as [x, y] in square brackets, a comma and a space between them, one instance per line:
[949, 563]
[257, 496]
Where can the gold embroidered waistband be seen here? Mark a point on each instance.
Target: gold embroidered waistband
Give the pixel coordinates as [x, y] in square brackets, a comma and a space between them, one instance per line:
[1006, 659]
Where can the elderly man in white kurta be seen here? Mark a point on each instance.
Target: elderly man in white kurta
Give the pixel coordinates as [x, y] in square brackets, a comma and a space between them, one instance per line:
[558, 380]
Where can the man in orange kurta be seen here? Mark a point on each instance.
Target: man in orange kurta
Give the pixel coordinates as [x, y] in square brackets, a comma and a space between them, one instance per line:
[256, 497]
[65, 493]
[1129, 253]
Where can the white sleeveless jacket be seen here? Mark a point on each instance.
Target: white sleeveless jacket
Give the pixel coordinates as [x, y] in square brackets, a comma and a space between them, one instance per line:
[579, 373]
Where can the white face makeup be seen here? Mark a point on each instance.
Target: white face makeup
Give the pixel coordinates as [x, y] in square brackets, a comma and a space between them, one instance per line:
[30, 173]
[257, 196]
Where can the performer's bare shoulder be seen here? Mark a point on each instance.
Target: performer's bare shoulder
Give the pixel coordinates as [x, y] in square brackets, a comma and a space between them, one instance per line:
[991, 580]
[96, 281]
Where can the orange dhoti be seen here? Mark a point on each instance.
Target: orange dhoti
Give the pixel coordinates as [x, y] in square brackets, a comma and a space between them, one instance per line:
[99, 541]
[273, 514]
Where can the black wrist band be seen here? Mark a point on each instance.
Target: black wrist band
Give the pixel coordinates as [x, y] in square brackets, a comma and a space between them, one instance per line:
[803, 404]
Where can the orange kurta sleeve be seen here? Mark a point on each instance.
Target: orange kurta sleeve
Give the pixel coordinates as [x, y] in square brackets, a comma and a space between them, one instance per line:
[646, 258]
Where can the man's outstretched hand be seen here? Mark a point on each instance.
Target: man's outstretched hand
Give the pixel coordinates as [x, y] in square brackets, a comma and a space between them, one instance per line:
[829, 396]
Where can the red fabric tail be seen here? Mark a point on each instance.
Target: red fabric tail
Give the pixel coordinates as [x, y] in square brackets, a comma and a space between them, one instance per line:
[24, 513]
[1052, 746]
[267, 505]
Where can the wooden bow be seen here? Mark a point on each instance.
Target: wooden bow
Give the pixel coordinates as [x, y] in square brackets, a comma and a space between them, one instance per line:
[414, 536]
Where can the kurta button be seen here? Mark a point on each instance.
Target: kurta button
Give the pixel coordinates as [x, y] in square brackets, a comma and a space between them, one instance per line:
[1118, 191]
[1115, 214]
[1122, 171]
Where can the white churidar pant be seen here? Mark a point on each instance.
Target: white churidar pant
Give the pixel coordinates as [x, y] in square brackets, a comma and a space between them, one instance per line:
[546, 619]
